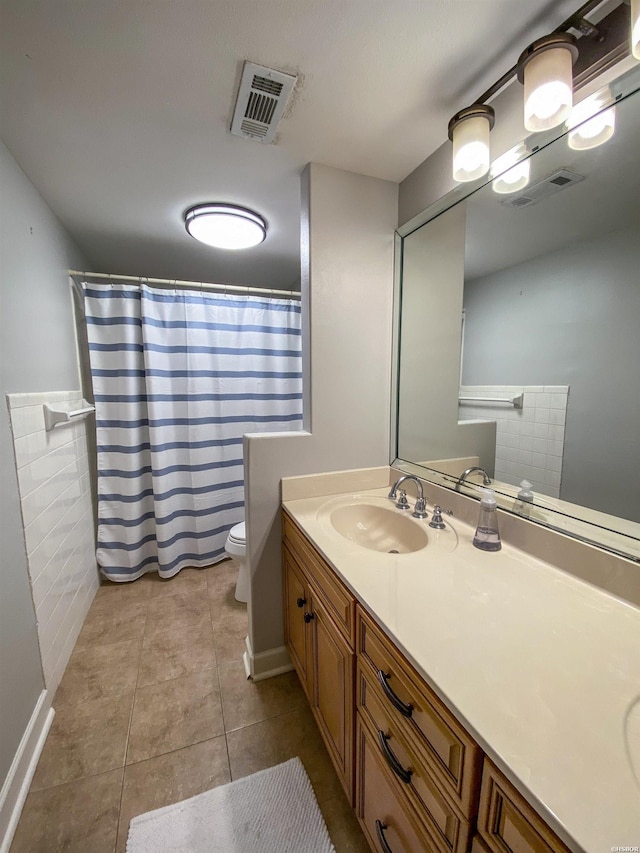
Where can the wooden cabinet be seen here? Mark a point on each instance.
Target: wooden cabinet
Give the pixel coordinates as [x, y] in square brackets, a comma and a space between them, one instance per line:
[317, 618]
[506, 821]
[417, 780]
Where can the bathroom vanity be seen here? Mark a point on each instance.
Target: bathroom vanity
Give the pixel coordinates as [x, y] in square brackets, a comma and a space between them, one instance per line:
[468, 701]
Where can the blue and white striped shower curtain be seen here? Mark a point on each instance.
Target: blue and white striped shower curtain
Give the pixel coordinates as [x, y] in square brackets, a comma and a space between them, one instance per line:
[178, 377]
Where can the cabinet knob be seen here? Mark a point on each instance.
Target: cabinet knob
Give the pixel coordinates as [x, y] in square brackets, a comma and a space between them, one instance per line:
[301, 602]
[308, 617]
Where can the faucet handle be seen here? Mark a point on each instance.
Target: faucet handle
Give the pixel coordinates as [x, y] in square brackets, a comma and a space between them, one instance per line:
[420, 509]
[403, 503]
[436, 520]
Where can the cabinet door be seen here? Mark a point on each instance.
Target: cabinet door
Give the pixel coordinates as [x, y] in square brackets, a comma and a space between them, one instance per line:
[332, 693]
[297, 603]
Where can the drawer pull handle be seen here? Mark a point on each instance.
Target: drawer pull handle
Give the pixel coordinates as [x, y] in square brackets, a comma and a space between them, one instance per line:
[301, 602]
[380, 828]
[308, 617]
[396, 701]
[392, 761]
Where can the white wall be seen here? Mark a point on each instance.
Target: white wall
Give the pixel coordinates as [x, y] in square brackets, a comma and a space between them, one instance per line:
[347, 291]
[38, 353]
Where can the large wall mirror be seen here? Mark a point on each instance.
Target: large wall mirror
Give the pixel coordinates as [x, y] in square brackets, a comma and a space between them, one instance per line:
[519, 337]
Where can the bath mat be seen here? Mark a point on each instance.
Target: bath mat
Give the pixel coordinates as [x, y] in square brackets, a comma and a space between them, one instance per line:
[273, 811]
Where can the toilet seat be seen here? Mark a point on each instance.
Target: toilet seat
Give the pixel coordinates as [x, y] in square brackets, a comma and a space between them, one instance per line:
[238, 533]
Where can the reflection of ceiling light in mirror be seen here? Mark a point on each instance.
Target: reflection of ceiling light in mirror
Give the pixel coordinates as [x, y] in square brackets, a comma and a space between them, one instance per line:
[545, 68]
[635, 28]
[589, 124]
[225, 226]
[469, 131]
[510, 175]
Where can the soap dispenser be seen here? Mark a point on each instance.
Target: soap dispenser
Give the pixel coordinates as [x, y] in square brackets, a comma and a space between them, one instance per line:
[524, 499]
[487, 535]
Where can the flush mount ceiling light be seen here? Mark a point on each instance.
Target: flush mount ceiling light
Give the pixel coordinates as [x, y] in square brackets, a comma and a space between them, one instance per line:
[469, 131]
[590, 123]
[225, 226]
[510, 172]
[546, 69]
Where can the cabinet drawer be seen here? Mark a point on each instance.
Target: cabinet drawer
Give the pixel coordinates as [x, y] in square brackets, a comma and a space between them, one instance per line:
[449, 829]
[381, 812]
[452, 755]
[336, 597]
[508, 823]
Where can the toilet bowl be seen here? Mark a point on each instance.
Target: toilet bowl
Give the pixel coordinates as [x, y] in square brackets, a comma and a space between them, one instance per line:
[236, 547]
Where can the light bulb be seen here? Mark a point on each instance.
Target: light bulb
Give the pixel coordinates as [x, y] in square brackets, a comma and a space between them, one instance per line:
[545, 68]
[469, 131]
[510, 172]
[589, 124]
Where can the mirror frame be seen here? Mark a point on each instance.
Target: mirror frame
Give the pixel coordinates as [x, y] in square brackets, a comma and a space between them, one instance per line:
[626, 84]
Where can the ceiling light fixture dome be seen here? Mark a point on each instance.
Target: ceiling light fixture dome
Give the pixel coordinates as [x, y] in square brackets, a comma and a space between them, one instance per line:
[225, 226]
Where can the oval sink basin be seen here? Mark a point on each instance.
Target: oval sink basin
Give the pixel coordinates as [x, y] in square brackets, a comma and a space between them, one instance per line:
[378, 528]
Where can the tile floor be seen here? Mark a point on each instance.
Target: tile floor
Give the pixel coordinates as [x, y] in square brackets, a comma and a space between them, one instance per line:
[154, 707]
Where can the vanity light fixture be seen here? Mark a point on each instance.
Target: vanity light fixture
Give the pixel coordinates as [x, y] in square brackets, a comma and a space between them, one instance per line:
[590, 124]
[510, 172]
[469, 131]
[225, 226]
[546, 70]
[635, 28]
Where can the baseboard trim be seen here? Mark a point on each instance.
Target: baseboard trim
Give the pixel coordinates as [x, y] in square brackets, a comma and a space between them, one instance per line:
[265, 664]
[16, 785]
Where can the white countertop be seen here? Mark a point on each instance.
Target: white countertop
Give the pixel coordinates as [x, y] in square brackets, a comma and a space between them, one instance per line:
[541, 668]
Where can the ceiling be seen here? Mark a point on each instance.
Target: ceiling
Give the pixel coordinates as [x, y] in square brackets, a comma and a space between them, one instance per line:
[119, 110]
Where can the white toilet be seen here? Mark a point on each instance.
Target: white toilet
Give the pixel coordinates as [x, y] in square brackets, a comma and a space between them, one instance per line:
[236, 547]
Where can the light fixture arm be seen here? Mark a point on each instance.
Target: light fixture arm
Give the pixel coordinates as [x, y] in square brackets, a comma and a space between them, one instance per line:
[575, 21]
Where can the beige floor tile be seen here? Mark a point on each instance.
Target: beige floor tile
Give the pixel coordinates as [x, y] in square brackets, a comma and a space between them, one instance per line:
[137, 590]
[174, 714]
[78, 817]
[229, 648]
[85, 739]
[113, 622]
[171, 778]
[343, 826]
[229, 618]
[188, 580]
[176, 653]
[97, 671]
[171, 612]
[276, 740]
[221, 575]
[245, 702]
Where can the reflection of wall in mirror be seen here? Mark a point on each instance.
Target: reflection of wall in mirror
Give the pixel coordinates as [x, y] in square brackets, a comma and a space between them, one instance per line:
[571, 318]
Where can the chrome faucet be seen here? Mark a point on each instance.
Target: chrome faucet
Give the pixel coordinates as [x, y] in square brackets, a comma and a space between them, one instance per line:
[461, 479]
[420, 509]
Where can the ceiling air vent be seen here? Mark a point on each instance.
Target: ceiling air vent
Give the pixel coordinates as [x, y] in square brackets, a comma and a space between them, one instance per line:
[545, 188]
[262, 97]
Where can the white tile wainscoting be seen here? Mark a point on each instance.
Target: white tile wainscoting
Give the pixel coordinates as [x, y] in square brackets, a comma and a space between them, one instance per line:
[530, 440]
[57, 517]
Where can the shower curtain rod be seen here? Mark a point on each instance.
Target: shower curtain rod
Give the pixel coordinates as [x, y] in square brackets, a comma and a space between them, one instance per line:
[193, 285]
